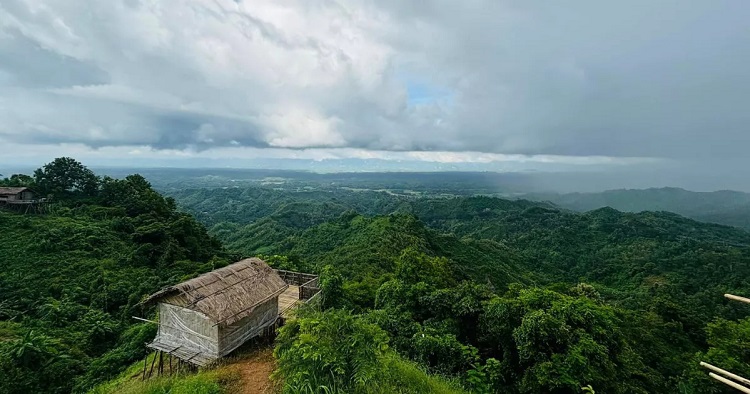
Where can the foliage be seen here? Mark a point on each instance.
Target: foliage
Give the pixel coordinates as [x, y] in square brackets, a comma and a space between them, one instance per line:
[331, 284]
[729, 349]
[72, 279]
[627, 295]
[31, 355]
[726, 207]
[550, 342]
[491, 294]
[65, 176]
[18, 180]
[335, 351]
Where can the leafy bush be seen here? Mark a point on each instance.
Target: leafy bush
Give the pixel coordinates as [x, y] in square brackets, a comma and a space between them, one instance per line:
[332, 351]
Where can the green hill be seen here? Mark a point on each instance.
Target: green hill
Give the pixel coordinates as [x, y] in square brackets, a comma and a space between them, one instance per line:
[661, 274]
[724, 207]
[71, 279]
[488, 294]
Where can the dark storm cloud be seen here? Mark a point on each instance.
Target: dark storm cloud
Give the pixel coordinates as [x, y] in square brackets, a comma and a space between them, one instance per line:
[664, 79]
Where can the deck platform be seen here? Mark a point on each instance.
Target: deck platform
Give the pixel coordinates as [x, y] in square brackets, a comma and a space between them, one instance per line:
[185, 353]
[288, 300]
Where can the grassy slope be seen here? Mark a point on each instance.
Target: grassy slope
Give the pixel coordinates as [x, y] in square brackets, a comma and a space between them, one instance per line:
[213, 381]
[399, 377]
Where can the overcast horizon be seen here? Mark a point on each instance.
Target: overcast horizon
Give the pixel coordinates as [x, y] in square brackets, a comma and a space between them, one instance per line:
[651, 94]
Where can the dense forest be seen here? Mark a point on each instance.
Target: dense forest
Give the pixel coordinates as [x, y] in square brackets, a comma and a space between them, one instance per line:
[421, 294]
[455, 282]
[71, 279]
[725, 207]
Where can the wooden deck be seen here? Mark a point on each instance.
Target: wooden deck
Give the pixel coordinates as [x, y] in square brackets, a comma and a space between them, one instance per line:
[185, 353]
[288, 300]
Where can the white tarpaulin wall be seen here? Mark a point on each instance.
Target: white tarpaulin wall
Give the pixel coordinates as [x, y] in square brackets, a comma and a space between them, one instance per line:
[190, 329]
[194, 331]
[234, 335]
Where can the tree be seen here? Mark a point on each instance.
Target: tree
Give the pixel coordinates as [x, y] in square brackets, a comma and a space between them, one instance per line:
[331, 284]
[413, 266]
[729, 349]
[65, 175]
[33, 348]
[333, 352]
[134, 193]
[17, 180]
[550, 342]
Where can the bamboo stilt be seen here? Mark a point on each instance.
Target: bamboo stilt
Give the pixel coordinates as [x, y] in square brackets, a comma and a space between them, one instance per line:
[726, 373]
[151, 371]
[730, 383]
[737, 298]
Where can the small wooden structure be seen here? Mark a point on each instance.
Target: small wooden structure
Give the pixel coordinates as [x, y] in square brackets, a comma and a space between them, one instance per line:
[206, 318]
[16, 195]
[21, 199]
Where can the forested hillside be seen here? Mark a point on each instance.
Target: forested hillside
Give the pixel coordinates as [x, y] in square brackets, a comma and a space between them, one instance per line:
[483, 294]
[511, 296]
[70, 279]
[725, 207]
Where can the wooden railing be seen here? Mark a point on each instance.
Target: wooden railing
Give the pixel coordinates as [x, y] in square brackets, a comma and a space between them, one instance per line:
[309, 284]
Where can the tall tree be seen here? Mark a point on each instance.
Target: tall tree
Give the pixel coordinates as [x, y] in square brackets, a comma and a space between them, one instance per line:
[65, 175]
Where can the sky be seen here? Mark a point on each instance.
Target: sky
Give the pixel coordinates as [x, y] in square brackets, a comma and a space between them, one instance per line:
[531, 85]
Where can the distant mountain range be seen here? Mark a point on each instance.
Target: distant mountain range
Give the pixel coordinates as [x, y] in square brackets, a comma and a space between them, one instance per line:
[726, 207]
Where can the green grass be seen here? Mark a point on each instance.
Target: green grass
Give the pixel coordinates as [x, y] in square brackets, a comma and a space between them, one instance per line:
[215, 381]
[399, 376]
[402, 377]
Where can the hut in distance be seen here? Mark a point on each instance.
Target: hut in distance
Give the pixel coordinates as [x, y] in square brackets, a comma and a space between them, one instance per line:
[22, 199]
[207, 317]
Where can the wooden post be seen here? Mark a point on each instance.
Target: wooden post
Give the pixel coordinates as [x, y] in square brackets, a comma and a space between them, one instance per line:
[729, 383]
[151, 371]
[161, 363]
[170, 364]
[725, 373]
[737, 298]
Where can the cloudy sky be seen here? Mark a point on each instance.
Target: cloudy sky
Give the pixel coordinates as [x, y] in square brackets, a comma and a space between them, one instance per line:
[589, 83]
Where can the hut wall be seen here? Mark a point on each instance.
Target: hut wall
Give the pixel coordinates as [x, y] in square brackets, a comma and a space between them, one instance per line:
[180, 326]
[234, 335]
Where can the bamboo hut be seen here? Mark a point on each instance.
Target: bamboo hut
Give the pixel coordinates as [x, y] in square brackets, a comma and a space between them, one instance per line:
[16, 195]
[208, 317]
[22, 199]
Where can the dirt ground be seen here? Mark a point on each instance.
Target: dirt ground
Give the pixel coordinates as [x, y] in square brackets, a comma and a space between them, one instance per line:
[255, 373]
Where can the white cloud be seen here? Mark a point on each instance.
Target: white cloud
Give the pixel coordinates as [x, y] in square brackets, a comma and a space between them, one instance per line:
[433, 78]
[294, 127]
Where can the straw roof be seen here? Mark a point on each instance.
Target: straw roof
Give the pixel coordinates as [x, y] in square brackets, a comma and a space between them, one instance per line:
[228, 294]
[12, 190]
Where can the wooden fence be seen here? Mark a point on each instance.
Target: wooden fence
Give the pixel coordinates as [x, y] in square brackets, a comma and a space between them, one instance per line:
[309, 284]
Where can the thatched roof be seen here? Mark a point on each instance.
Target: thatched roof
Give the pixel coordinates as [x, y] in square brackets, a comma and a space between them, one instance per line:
[7, 191]
[228, 294]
